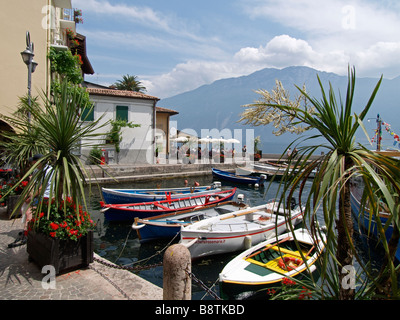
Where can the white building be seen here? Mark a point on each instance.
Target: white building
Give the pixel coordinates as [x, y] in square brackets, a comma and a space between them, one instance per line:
[138, 145]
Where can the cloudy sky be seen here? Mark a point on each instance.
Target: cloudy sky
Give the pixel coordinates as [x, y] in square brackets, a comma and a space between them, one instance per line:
[178, 45]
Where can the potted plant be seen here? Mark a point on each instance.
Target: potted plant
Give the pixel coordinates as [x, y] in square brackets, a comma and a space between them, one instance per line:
[70, 33]
[9, 195]
[78, 16]
[64, 239]
[61, 132]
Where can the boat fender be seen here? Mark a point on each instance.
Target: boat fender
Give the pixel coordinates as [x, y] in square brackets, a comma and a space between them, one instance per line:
[240, 197]
[189, 244]
[289, 263]
[256, 185]
[137, 227]
[247, 242]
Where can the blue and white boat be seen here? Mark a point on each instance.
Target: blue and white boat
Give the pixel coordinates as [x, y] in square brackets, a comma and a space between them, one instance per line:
[232, 177]
[167, 226]
[121, 196]
[367, 221]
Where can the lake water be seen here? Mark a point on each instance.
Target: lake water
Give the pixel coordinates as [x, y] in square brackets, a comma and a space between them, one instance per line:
[118, 243]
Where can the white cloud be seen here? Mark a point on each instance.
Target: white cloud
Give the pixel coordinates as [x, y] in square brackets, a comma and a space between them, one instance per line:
[381, 55]
[142, 16]
[326, 18]
[188, 76]
[283, 51]
[277, 52]
[138, 14]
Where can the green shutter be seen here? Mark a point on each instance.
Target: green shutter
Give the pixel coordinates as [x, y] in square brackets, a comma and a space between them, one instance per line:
[87, 114]
[122, 113]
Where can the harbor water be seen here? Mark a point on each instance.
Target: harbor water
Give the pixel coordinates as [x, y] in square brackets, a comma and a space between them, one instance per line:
[118, 242]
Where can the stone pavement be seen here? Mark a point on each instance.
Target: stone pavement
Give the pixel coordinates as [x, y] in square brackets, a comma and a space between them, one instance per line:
[22, 280]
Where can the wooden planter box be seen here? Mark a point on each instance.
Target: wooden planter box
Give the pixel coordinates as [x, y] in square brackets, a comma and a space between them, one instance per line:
[64, 255]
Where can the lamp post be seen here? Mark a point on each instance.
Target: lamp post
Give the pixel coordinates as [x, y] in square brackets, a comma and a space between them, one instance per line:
[27, 56]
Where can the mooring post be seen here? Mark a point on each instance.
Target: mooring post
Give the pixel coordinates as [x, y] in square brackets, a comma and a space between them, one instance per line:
[177, 264]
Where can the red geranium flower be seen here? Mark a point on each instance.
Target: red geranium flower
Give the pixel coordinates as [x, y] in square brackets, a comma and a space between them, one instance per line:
[54, 226]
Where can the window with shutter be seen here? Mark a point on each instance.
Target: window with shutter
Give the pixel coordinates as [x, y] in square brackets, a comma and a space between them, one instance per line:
[122, 113]
[87, 114]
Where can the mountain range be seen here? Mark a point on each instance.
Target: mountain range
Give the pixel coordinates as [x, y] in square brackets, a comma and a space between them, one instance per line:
[218, 105]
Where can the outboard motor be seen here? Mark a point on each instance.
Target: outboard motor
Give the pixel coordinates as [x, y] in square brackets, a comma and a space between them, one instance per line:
[216, 184]
[292, 203]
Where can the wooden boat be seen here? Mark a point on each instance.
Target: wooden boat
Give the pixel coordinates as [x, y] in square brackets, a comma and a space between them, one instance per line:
[235, 231]
[169, 225]
[122, 196]
[276, 169]
[232, 177]
[266, 264]
[368, 221]
[128, 212]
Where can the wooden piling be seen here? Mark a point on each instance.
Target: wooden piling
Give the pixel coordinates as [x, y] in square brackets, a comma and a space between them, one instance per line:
[177, 264]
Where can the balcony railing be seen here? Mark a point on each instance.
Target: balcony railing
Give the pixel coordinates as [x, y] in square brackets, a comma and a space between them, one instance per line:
[67, 14]
[64, 18]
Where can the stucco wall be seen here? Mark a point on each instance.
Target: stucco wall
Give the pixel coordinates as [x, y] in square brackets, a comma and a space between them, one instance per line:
[137, 143]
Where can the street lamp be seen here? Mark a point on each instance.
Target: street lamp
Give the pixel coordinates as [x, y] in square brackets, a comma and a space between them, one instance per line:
[27, 56]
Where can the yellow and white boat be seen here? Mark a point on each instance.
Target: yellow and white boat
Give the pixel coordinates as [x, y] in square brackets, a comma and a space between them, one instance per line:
[268, 263]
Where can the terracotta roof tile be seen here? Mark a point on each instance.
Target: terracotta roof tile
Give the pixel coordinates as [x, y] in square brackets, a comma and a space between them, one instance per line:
[165, 110]
[120, 93]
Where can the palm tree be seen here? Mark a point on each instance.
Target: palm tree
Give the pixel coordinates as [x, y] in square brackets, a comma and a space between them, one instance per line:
[130, 83]
[334, 120]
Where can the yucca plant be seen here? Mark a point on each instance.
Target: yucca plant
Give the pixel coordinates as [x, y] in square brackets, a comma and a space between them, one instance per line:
[58, 132]
[330, 190]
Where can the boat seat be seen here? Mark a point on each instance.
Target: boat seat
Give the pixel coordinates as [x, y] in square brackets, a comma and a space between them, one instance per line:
[290, 252]
[273, 264]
